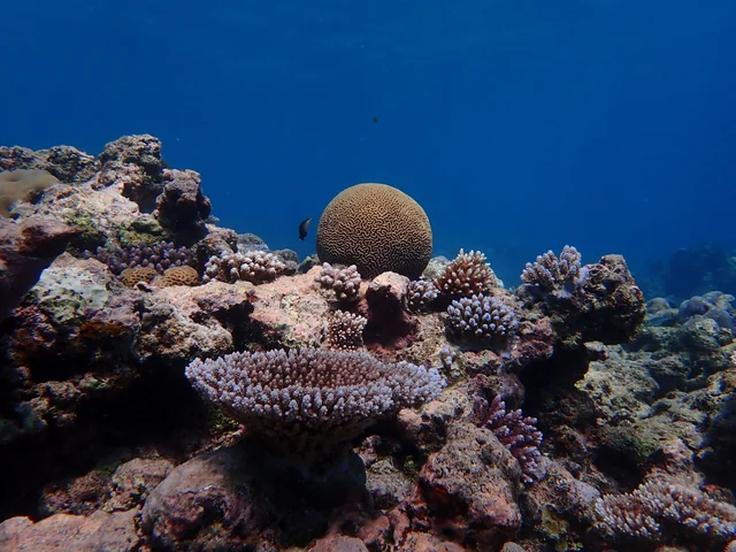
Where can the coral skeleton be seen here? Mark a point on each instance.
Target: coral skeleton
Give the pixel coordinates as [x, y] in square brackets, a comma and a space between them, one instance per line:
[550, 272]
[311, 398]
[482, 318]
[344, 331]
[468, 274]
[657, 506]
[254, 266]
[343, 281]
[518, 433]
[420, 296]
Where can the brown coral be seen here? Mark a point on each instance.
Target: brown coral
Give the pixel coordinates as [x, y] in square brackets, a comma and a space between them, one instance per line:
[22, 185]
[377, 228]
[468, 274]
[179, 276]
[344, 331]
[131, 276]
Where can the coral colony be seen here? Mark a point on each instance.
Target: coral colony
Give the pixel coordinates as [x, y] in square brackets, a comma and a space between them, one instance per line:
[212, 396]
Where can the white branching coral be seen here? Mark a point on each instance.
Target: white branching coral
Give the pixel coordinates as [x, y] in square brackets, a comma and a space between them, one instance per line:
[658, 507]
[343, 281]
[311, 398]
[550, 272]
[255, 266]
[344, 331]
[420, 295]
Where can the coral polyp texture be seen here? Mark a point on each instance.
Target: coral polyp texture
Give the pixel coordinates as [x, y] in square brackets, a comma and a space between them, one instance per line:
[481, 318]
[658, 510]
[550, 272]
[132, 276]
[311, 398]
[344, 331]
[179, 276]
[518, 433]
[376, 227]
[343, 281]
[421, 295]
[254, 266]
[468, 274]
[159, 256]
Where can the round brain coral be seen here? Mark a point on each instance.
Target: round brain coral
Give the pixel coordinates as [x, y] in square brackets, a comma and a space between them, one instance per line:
[377, 228]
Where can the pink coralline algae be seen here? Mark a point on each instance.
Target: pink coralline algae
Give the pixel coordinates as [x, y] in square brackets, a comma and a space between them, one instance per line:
[550, 272]
[518, 433]
[659, 507]
[311, 398]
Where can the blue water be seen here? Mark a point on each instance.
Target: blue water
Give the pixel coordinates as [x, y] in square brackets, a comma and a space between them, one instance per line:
[518, 125]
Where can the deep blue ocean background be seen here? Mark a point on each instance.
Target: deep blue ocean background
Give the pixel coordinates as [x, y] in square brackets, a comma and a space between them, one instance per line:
[518, 125]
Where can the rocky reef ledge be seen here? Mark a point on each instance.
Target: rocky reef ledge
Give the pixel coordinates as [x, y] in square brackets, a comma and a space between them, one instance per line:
[169, 384]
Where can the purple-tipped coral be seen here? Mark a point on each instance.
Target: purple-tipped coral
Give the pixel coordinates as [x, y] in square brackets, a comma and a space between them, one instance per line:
[344, 331]
[468, 274]
[254, 266]
[518, 433]
[481, 318]
[159, 256]
[343, 281]
[658, 507]
[550, 272]
[420, 295]
[311, 399]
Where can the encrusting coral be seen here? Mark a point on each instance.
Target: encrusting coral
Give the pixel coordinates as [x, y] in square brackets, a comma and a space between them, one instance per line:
[344, 331]
[659, 507]
[482, 318]
[421, 295]
[311, 398]
[343, 281]
[254, 266]
[159, 256]
[550, 272]
[22, 185]
[184, 275]
[376, 227]
[468, 274]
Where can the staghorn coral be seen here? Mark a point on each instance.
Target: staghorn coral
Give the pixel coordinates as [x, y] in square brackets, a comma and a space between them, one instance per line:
[344, 331]
[517, 432]
[550, 272]
[659, 507]
[376, 227]
[22, 185]
[131, 276]
[254, 266]
[482, 318]
[183, 275]
[311, 398]
[344, 281]
[159, 256]
[468, 274]
[420, 295]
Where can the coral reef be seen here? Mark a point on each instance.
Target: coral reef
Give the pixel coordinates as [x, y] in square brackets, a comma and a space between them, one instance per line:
[22, 185]
[468, 274]
[421, 295]
[255, 266]
[181, 205]
[310, 398]
[343, 281]
[158, 256]
[482, 318]
[132, 276]
[551, 273]
[344, 331]
[377, 228]
[179, 276]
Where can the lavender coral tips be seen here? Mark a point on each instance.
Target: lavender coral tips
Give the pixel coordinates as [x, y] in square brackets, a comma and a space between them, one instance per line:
[482, 318]
[550, 272]
[311, 398]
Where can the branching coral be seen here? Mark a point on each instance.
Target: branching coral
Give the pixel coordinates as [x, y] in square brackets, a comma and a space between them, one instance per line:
[159, 256]
[420, 295]
[311, 398]
[659, 507]
[518, 433]
[343, 281]
[344, 331]
[466, 275]
[254, 266]
[550, 272]
[481, 318]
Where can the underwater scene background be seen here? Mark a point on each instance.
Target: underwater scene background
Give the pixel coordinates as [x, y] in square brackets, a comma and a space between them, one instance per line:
[518, 126]
[378, 277]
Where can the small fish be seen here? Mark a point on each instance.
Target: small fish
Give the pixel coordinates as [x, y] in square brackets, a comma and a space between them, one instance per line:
[304, 228]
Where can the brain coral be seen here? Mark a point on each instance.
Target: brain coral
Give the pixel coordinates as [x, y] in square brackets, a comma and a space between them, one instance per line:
[183, 275]
[131, 276]
[377, 228]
